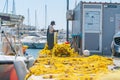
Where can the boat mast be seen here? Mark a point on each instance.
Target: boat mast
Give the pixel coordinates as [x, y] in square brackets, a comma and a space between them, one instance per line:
[45, 16]
[75, 2]
[13, 8]
[28, 17]
[35, 19]
[6, 6]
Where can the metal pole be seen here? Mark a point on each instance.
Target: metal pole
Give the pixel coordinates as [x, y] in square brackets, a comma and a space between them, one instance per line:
[0, 30]
[67, 24]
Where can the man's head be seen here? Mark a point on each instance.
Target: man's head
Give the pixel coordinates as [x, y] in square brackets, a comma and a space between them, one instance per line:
[52, 22]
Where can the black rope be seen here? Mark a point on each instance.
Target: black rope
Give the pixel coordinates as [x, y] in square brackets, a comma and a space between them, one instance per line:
[9, 43]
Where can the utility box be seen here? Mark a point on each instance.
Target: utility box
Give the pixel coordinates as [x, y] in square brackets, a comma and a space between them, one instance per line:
[96, 23]
[69, 15]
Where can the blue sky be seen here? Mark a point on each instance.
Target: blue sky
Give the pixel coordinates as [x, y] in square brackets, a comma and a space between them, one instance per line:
[56, 10]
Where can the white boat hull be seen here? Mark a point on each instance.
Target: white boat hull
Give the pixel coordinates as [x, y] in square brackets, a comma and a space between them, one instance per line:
[34, 45]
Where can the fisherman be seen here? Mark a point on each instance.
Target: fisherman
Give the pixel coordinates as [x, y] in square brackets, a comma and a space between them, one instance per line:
[50, 35]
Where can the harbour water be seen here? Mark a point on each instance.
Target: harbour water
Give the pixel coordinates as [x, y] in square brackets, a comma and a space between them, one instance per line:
[33, 52]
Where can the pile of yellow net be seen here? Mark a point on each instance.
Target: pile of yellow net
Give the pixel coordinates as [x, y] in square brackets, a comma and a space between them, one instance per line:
[62, 63]
[59, 50]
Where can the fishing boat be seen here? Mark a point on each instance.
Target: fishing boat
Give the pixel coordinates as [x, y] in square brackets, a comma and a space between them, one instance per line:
[13, 62]
[34, 41]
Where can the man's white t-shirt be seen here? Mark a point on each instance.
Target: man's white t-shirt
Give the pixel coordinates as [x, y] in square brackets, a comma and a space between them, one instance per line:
[51, 29]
